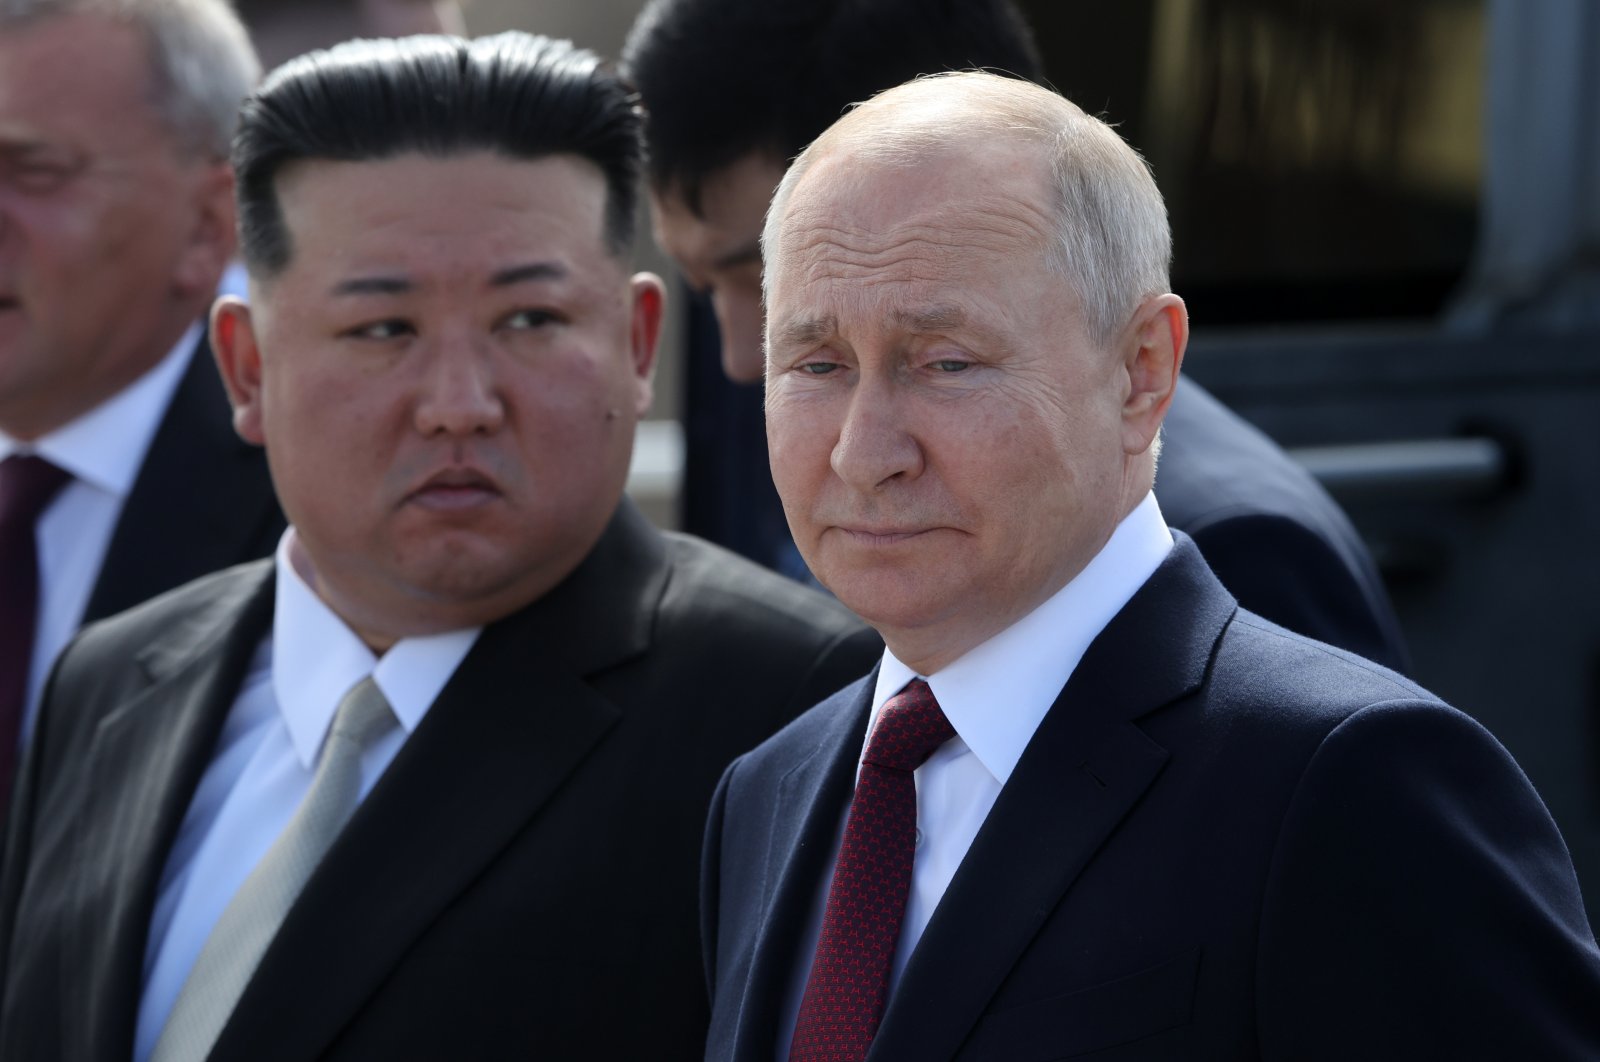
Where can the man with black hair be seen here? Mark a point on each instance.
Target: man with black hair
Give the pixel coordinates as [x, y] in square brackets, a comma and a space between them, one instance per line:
[430, 783]
[735, 90]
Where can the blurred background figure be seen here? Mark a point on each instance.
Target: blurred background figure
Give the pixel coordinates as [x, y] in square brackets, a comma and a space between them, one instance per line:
[120, 474]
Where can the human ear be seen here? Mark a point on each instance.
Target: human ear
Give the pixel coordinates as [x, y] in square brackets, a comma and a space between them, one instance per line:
[233, 343]
[644, 333]
[1157, 339]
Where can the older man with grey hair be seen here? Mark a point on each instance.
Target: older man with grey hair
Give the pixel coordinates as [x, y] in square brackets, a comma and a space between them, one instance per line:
[1086, 806]
[120, 476]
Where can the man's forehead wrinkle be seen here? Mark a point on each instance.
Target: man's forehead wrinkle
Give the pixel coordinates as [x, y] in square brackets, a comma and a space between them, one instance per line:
[929, 251]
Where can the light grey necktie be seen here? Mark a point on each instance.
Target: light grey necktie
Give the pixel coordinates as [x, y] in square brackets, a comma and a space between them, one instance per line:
[250, 921]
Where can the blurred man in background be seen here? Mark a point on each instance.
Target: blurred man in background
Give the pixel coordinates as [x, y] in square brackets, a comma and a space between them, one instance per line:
[120, 476]
[734, 90]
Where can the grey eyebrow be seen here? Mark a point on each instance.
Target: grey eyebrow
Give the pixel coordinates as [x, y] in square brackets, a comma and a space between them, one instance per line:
[806, 331]
[943, 318]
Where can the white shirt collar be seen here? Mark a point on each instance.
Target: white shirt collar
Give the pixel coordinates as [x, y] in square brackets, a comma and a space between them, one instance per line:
[106, 446]
[996, 694]
[317, 659]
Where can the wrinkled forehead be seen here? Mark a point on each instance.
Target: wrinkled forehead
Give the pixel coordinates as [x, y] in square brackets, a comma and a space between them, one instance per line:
[934, 211]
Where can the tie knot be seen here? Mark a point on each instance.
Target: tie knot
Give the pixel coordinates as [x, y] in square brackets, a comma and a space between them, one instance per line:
[27, 483]
[910, 728]
[363, 714]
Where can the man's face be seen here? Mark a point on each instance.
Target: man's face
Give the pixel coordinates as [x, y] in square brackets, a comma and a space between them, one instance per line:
[446, 378]
[948, 443]
[110, 239]
[719, 251]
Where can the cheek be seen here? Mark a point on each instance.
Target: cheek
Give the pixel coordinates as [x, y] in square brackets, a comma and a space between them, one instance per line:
[800, 440]
[57, 240]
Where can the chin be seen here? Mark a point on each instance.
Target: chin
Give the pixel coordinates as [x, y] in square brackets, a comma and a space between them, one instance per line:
[888, 600]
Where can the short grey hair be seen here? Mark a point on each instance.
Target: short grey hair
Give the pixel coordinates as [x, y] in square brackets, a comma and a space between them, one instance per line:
[1113, 241]
[202, 63]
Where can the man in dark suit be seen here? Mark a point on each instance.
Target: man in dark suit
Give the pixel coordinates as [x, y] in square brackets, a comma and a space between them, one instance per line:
[1087, 806]
[429, 784]
[120, 476]
[734, 90]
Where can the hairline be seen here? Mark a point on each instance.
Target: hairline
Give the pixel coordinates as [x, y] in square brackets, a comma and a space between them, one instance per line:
[259, 273]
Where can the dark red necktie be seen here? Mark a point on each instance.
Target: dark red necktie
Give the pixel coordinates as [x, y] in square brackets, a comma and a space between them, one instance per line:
[27, 484]
[849, 983]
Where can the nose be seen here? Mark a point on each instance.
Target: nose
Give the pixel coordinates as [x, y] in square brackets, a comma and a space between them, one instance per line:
[876, 445]
[460, 394]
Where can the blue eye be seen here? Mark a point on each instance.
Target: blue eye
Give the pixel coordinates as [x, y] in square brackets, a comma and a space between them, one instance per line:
[818, 368]
[952, 365]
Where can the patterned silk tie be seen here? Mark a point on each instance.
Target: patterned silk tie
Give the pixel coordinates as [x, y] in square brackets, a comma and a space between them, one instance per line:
[250, 921]
[849, 983]
[27, 485]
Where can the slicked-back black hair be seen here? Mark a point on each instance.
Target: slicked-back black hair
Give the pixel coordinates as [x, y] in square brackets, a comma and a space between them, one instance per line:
[516, 94]
[722, 79]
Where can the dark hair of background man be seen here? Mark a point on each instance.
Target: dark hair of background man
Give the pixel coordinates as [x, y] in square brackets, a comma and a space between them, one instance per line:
[428, 97]
[771, 78]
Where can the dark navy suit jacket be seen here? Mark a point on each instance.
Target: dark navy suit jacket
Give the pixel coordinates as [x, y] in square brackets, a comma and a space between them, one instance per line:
[1225, 841]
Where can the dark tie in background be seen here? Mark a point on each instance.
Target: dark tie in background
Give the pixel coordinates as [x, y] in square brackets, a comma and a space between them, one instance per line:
[849, 983]
[27, 484]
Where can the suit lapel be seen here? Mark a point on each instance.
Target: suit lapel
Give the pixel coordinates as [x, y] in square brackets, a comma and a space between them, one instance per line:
[806, 815]
[203, 500]
[514, 723]
[151, 752]
[1086, 767]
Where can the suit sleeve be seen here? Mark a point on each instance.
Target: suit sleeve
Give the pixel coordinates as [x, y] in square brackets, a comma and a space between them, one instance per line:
[1282, 570]
[1422, 904]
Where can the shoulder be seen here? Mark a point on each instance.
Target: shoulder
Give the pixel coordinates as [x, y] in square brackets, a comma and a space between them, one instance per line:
[177, 620]
[1414, 861]
[1261, 662]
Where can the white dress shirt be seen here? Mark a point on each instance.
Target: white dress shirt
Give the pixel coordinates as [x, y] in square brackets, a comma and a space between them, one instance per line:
[995, 697]
[103, 450]
[265, 760]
